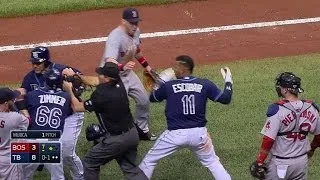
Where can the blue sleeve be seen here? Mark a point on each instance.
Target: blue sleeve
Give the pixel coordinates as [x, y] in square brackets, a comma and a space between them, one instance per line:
[215, 94]
[25, 83]
[272, 110]
[159, 94]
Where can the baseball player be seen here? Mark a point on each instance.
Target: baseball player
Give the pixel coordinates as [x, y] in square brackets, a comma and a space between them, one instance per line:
[9, 120]
[48, 108]
[289, 121]
[41, 61]
[122, 47]
[186, 99]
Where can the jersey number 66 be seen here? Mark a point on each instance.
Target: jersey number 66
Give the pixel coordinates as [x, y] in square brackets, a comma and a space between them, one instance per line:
[46, 116]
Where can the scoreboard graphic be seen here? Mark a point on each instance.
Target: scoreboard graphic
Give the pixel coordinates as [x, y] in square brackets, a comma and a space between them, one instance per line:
[35, 147]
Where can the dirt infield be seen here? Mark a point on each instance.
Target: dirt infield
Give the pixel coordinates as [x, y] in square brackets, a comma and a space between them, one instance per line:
[204, 47]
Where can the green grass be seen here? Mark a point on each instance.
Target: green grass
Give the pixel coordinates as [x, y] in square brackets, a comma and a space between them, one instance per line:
[235, 128]
[15, 8]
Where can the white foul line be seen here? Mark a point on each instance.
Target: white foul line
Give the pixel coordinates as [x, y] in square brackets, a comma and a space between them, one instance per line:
[167, 33]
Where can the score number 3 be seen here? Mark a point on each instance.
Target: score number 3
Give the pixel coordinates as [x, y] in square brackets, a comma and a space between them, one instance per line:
[188, 104]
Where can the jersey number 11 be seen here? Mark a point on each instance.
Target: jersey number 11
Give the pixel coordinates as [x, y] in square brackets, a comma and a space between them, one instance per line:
[188, 104]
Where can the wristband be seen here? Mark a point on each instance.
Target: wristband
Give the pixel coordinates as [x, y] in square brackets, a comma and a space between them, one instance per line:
[142, 60]
[120, 66]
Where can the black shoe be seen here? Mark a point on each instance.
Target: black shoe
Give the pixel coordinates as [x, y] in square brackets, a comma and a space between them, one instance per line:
[40, 167]
[148, 136]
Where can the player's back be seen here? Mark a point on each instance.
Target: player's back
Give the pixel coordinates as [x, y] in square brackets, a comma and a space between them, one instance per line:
[48, 109]
[10, 121]
[294, 127]
[186, 101]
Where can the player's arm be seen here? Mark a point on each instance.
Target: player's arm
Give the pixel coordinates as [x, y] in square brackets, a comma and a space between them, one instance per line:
[87, 80]
[316, 138]
[315, 142]
[215, 94]
[23, 122]
[269, 131]
[158, 95]
[76, 105]
[142, 60]
[22, 106]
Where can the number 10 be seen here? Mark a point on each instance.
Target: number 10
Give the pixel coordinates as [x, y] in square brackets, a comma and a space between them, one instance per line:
[188, 104]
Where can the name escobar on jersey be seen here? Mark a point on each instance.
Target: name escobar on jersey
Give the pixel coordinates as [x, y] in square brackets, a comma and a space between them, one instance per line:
[187, 87]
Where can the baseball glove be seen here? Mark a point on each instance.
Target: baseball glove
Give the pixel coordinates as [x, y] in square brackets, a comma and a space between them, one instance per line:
[151, 80]
[258, 171]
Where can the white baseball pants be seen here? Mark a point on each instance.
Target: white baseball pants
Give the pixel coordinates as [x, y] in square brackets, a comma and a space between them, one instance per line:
[69, 139]
[195, 139]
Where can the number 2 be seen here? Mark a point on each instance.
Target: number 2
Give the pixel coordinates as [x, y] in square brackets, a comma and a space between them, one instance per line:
[188, 104]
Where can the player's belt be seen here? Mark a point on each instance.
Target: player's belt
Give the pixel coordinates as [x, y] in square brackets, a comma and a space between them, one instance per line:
[279, 157]
[115, 133]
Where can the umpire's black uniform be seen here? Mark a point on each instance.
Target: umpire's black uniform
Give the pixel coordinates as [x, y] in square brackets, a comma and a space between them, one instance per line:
[110, 103]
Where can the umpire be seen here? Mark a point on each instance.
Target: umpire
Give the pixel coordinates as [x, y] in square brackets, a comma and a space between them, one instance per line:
[111, 104]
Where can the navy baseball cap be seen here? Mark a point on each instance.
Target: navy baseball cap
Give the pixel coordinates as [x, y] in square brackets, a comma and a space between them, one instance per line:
[109, 69]
[7, 94]
[131, 15]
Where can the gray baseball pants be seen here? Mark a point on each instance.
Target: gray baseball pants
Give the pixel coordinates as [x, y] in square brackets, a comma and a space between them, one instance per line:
[136, 91]
[122, 148]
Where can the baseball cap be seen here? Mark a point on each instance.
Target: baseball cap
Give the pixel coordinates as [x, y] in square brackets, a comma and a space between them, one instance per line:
[109, 69]
[7, 94]
[131, 15]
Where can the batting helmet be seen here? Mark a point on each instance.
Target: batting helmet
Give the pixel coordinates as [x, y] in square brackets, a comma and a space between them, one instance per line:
[94, 131]
[40, 54]
[53, 78]
[290, 81]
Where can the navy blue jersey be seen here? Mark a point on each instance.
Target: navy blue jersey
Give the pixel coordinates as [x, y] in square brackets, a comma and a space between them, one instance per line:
[48, 109]
[32, 80]
[186, 100]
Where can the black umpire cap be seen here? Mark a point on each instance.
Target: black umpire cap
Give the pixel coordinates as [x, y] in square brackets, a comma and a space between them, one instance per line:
[7, 94]
[109, 69]
[131, 15]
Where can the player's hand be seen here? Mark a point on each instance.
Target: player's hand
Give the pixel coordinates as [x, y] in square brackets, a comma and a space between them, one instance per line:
[129, 65]
[149, 69]
[68, 72]
[67, 86]
[111, 60]
[226, 74]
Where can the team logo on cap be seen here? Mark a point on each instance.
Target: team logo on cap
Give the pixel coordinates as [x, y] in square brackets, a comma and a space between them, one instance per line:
[35, 54]
[134, 14]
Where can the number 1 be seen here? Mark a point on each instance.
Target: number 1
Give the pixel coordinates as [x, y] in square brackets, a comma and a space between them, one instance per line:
[188, 104]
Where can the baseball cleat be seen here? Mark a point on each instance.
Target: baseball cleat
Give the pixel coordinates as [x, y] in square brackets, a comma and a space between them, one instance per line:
[148, 136]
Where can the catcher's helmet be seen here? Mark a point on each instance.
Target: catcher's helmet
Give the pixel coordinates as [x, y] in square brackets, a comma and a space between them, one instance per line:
[290, 81]
[53, 78]
[94, 131]
[40, 54]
